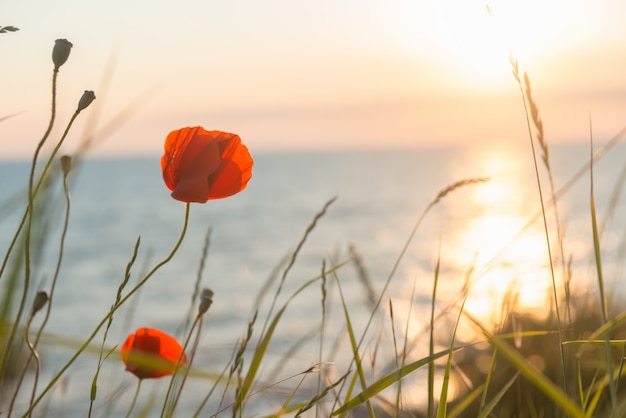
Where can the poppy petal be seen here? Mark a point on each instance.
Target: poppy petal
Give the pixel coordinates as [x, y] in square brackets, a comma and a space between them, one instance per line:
[199, 165]
[192, 185]
[151, 353]
[234, 173]
[175, 145]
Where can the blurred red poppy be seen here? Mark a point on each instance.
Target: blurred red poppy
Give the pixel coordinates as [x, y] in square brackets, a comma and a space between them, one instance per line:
[200, 165]
[150, 352]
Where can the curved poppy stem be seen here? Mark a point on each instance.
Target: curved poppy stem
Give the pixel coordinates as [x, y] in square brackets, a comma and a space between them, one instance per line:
[33, 353]
[114, 308]
[33, 345]
[34, 189]
[132, 405]
[27, 220]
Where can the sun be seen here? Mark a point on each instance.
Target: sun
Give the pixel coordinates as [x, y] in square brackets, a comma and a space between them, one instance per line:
[478, 37]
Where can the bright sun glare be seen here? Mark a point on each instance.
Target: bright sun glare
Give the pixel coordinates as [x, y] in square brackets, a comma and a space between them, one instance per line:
[510, 256]
[480, 36]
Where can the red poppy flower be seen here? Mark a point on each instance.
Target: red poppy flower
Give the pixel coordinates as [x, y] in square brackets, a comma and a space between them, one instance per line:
[151, 353]
[200, 165]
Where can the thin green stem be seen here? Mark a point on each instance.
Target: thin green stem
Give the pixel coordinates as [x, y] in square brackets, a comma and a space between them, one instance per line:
[35, 355]
[443, 193]
[32, 191]
[33, 345]
[292, 261]
[66, 220]
[547, 233]
[164, 410]
[114, 309]
[29, 210]
[603, 304]
[322, 328]
[34, 162]
[356, 357]
[431, 341]
[25, 368]
[194, 349]
[132, 404]
[102, 357]
[35, 190]
[210, 392]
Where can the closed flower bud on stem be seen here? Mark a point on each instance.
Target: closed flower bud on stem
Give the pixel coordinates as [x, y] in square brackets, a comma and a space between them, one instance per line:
[206, 299]
[60, 52]
[86, 99]
[66, 164]
[41, 298]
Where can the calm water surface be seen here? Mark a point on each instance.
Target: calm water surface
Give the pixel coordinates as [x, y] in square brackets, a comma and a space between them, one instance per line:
[380, 197]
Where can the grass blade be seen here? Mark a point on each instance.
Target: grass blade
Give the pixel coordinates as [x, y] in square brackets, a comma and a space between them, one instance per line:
[393, 377]
[551, 390]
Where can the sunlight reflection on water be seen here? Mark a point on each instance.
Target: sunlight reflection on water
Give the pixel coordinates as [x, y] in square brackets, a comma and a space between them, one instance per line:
[478, 232]
[510, 259]
[506, 250]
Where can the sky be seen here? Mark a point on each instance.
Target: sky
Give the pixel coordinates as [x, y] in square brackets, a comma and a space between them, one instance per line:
[311, 75]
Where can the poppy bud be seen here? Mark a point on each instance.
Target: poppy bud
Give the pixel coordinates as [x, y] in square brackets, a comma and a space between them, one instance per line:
[86, 99]
[41, 298]
[60, 52]
[66, 164]
[206, 299]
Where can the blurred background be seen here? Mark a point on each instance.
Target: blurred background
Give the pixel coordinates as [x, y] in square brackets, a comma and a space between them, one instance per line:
[290, 75]
[383, 104]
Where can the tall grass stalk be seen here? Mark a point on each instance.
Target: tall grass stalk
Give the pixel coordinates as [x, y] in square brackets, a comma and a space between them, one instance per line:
[442, 194]
[101, 358]
[390, 379]
[245, 386]
[598, 259]
[66, 165]
[135, 397]
[322, 329]
[405, 348]
[218, 380]
[483, 400]
[268, 328]
[356, 356]
[236, 365]
[27, 220]
[550, 389]
[196, 289]
[170, 401]
[293, 258]
[431, 340]
[443, 398]
[458, 410]
[543, 144]
[486, 410]
[29, 211]
[600, 153]
[206, 300]
[527, 101]
[244, 390]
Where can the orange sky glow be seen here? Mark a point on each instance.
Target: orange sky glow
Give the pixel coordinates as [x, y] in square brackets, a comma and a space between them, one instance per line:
[290, 75]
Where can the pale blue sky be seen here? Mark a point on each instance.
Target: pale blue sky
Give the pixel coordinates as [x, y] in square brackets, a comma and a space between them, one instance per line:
[288, 74]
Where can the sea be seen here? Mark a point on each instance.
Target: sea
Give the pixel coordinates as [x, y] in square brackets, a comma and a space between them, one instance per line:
[333, 241]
